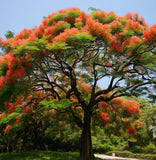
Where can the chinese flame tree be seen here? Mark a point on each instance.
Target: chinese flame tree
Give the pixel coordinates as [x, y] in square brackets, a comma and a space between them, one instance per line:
[72, 47]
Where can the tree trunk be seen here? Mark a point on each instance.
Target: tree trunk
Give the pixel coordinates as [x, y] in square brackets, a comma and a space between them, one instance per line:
[23, 147]
[86, 152]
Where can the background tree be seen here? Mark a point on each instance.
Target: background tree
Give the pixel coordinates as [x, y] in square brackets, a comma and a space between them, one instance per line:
[72, 47]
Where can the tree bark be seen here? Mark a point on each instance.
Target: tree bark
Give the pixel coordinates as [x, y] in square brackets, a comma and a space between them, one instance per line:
[86, 152]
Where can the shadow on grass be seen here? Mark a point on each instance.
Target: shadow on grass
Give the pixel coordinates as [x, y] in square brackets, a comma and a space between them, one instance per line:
[40, 155]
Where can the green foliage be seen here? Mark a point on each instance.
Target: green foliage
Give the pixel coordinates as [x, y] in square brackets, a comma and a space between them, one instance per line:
[95, 16]
[80, 39]
[11, 118]
[31, 48]
[123, 21]
[109, 19]
[35, 46]
[62, 27]
[135, 149]
[79, 25]
[149, 149]
[149, 59]
[9, 34]
[56, 46]
[3, 69]
[64, 16]
[60, 17]
[65, 138]
[88, 79]
[12, 91]
[73, 14]
[100, 146]
[93, 9]
[106, 20]
[103, 144]
[54, 104]
[116, 30]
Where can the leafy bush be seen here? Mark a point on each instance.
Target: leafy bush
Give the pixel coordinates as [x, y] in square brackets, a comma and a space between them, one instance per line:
[121, 153]
[149, 149]
[135, 149]
[102, 145]
[115, 140]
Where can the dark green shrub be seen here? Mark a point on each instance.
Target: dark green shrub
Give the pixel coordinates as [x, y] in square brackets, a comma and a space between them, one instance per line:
[102, 145]
[115, 140]
[135, 149]
[151, 149]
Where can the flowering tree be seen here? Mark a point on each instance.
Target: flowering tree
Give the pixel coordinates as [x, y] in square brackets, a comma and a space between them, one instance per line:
[72, 47]
[35, 117]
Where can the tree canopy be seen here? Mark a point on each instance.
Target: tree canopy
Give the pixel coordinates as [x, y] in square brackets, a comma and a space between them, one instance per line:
[98, 45]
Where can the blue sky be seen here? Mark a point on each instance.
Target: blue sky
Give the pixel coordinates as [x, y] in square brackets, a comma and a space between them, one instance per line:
[19, 14]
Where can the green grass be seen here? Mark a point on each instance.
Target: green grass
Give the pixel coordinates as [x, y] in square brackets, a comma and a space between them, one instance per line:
[127, 154]
[40, 155]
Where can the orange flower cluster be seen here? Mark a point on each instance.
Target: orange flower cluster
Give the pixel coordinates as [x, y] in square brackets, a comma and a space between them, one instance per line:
[82, 18]
[52, 111]
[121, 107]
[12, 105]
[135, 41]
[150, 34]
[132, 130]
[115, 45]
[104, 117]
[2, 115]
[24, 37]
[119, 101]
[102, 104]
[99, 30]
[74, 99]
[18, 120]
[115, 24]
[132, 106]
[7, 129]
[101, 14]
[86, 87]
[126, 122]
[13, 69]
[51, 31]
[136, 18]
[3, 42]
[132, 25]
[27, 105]
[27, 109]
[66, 34]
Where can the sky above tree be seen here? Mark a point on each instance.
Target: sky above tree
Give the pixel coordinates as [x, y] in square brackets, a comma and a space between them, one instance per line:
[17, 15]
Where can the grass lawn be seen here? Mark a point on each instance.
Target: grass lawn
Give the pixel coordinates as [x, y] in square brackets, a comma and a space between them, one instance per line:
[40, 155]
